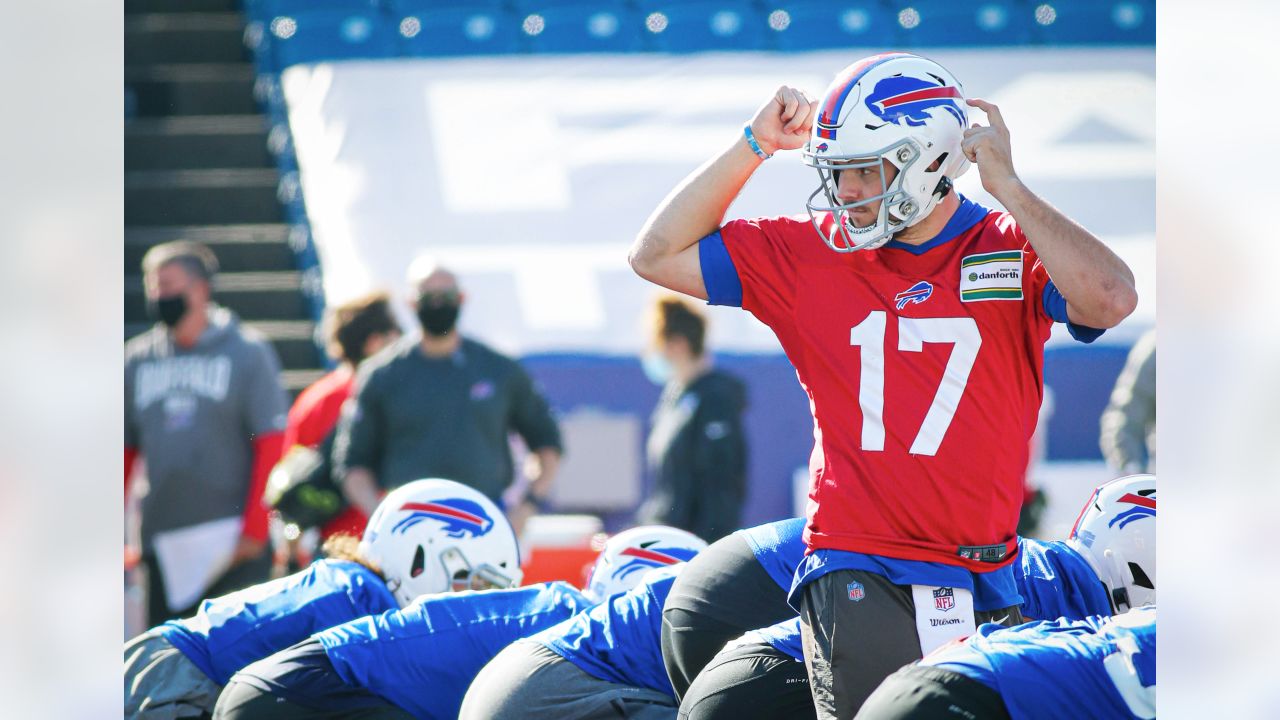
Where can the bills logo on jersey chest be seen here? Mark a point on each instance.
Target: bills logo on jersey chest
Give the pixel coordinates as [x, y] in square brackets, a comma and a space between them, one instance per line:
[917, 293]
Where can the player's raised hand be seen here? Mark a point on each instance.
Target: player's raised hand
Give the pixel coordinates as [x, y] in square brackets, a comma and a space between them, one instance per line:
[987, 146]
[784, 122]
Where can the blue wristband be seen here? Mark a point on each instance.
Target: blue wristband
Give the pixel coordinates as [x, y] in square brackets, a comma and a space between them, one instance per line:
[755, 146]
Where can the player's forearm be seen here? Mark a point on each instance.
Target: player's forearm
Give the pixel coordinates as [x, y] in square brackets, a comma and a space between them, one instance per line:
[361, 489]
[693, 210]
[543, 472]
[1096, 283]
[266, 453]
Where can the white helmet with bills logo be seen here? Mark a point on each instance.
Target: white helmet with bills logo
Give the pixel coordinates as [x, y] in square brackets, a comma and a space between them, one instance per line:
[1116, 534]
[630, 554]
[895, 108]
[433, 536]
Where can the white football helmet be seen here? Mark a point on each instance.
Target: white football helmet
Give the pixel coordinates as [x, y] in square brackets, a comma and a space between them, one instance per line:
[433, 536]
[1116, 534]
[630, 554]
[899, 108]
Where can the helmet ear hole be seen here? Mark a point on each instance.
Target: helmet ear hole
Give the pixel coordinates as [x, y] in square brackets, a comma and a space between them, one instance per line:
[1140, 577]
[419, 562]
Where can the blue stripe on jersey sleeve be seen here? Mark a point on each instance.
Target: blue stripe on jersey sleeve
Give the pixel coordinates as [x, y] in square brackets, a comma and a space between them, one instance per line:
[718, 272]
[1055, 306]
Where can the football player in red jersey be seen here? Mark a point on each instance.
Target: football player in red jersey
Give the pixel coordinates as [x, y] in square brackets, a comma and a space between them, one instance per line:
[916, 321]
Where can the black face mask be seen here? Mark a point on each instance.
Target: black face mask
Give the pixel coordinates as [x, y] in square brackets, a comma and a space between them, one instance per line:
[437, 319]
[168, 310]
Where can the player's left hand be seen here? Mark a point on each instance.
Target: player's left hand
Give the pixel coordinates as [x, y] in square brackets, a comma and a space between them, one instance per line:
[987, 146]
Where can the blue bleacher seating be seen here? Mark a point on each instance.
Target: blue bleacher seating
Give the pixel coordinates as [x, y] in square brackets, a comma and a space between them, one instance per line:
[441, 29]
[319, 35]
[559, 26]
[267, 9]
[816, 24]
[1094, 22]
[675, 26]
[947, 23]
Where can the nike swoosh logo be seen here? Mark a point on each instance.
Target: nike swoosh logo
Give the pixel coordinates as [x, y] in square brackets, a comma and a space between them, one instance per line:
[1001, 620]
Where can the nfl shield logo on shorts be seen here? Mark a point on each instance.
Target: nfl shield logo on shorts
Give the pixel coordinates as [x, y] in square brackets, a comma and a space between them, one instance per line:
[944, 598]
[856, 591]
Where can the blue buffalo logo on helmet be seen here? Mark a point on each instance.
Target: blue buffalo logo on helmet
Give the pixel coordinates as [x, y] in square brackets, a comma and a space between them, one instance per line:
[1143, 506]
[910, 100]
[461, 518]
[641, 558]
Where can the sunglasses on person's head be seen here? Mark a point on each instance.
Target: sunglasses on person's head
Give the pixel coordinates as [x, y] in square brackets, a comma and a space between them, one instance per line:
[440, 297]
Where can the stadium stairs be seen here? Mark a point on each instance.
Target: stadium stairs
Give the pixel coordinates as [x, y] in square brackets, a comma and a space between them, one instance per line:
[198, 166]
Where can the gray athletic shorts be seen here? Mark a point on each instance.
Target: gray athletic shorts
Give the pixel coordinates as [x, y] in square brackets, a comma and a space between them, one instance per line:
[851, 647]
[160, 683]
[527, 681]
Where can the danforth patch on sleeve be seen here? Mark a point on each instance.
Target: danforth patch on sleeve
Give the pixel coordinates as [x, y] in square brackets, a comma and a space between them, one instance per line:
[991, 276]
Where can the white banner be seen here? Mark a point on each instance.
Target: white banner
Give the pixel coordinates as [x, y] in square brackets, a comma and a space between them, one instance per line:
[531, 175]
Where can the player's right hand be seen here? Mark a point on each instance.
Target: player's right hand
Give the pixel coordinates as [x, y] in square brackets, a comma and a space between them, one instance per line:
[785, 121]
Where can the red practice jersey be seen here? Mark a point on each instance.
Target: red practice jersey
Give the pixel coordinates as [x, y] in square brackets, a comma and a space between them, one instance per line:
[924, 371]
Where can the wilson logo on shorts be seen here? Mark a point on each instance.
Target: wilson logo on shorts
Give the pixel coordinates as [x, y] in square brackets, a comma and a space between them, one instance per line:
[917, 293]
[1143, 507]
[856, 591]
[639, 558]
[944, 598]
[461, 518]
[991, 276]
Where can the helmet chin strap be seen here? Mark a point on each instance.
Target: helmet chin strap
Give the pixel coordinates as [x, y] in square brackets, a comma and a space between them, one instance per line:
[943, 188]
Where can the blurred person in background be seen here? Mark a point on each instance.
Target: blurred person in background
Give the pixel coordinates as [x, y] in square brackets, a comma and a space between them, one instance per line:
[356, 330]
[204, 407]
[1128, 438]
[697, 450]
[444, 406]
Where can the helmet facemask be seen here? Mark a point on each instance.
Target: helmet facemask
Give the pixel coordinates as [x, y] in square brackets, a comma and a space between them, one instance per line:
[897, 209]
[485, 576]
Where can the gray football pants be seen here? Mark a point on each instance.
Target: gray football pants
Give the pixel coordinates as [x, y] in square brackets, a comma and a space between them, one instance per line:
[851, 647]
[527, 681]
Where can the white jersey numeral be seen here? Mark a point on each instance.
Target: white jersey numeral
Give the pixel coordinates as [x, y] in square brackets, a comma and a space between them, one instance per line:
[1139, 698]
[869, 335]
[913, 333]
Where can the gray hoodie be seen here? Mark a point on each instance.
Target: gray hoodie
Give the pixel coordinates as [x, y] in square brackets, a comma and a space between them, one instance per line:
[194, 414]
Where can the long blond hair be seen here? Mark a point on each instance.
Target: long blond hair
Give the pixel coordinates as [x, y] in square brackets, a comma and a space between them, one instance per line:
[345, 546]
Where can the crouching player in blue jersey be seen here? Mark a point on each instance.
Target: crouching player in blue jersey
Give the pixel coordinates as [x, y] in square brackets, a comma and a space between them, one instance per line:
[605, 663]
[1101, 667]
[415, 662]
[738, 584]
[428, 536]
[1106, 566]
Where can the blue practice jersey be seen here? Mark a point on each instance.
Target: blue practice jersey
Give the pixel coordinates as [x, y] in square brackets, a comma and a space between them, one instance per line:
[620, 639]
[424, 657]
[1100, 667]
[778, 547]
[1055, 581]
[783, 637]
[231, 631]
